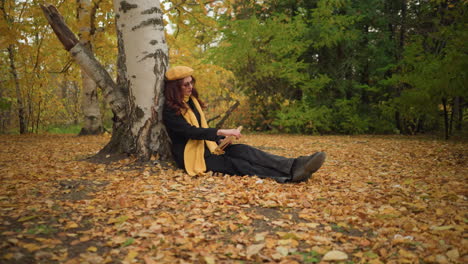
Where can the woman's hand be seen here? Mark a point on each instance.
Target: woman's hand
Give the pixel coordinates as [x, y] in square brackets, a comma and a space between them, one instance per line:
[229, 132]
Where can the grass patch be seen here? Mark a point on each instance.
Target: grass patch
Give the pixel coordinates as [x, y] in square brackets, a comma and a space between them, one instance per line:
[71, 129]
[41, 229]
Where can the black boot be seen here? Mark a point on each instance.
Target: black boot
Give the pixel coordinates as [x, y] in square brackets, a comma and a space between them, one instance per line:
[304, 166]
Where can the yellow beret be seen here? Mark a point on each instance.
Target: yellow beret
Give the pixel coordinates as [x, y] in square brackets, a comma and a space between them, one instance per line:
[178, 72]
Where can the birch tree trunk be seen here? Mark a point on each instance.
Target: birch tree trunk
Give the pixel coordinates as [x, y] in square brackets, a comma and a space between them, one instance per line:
[19, 98]
[137, 98]
[92, 121]
[142, 62]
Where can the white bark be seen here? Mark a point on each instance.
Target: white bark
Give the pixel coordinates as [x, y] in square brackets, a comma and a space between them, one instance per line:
[140, 25]
[92, 122]
[92, 67]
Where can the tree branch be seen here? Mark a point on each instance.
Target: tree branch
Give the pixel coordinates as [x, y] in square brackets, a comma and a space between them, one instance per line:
[65, 35]
[88, 63]
[227, 114]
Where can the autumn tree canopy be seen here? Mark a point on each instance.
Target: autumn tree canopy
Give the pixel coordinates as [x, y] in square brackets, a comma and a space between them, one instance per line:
[296, 66]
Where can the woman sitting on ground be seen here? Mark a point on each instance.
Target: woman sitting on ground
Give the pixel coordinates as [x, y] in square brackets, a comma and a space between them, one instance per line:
[193, 142]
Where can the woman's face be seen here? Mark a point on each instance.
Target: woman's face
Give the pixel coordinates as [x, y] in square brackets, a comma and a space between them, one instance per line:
[187, 86]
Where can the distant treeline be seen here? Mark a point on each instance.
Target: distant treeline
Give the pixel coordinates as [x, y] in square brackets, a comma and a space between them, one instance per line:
[367, 66]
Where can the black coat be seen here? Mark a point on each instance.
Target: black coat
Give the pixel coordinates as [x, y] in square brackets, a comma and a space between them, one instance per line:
[180, 131]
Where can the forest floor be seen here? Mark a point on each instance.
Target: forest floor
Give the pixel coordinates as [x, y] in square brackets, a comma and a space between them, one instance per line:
[377, 199]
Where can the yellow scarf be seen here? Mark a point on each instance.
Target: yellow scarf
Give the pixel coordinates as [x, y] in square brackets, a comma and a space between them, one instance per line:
[194, 152]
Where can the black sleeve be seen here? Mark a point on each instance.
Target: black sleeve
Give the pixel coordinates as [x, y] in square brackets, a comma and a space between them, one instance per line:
[178, 125]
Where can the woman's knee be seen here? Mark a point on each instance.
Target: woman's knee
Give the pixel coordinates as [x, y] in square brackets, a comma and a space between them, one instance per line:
[237, 148]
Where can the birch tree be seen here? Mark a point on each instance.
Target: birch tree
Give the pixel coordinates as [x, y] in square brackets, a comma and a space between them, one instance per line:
[136, 99]
[92, 121]
[9, 17]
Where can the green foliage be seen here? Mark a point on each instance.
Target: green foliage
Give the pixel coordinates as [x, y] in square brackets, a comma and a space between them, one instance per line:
[332, 24]
[309, 257]
[41, 229]
[346, 118]
[6, 103]
[63, 129]
[319, 66]
[299, 118]
[264, 56]
[433, 71]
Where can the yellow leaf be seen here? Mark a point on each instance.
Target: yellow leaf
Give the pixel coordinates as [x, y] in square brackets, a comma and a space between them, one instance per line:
[321, 239]
[288, 242]
[453, 254]
[442, 228]
[31, 246]
[283, 251]
[92, 249]
[84, 238]
[149, 260]
[407, 255]
[254, 249]
[210, 260]
[260, 236]
[131, 256]
[71, 225]
[243, 216]
[375, 261]
[335, 255]
[26, 218]
[8, 256]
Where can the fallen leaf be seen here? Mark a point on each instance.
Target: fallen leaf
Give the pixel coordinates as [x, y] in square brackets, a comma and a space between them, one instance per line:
[442, 228]
[335, 255]
[71, 225]
[92, 249]
[210, 260]
[283, 251]
[149, 260]
[254, 249]
[453, 254]
[260, 236]
[130, 256]
[31, 247]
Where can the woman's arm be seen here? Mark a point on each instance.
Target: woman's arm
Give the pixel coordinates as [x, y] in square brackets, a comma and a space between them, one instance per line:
[229, 132]
[177, 124]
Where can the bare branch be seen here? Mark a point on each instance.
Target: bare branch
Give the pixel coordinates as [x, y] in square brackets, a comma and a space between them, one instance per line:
[65, 35]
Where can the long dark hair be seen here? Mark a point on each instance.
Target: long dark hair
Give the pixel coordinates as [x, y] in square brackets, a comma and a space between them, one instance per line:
[174, 95]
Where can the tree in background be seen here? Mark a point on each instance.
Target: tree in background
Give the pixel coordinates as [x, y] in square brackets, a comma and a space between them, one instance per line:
[10, 11]
[92, 122]
[356, 50]
[320, 66]
[432, 69]
[263, 55]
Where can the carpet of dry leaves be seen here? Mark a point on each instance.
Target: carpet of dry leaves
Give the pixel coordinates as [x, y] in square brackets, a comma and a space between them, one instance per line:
[377, 199]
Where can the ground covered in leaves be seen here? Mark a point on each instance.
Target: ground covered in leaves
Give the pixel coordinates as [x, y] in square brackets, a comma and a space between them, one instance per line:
[376, 200]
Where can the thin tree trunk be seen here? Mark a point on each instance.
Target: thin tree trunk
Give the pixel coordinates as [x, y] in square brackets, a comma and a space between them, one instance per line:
[38, 115]
[398, 121]
[5, 112]
[452, 114]
[21, 112]
[92, 121]
[446, 129]
[460, 113]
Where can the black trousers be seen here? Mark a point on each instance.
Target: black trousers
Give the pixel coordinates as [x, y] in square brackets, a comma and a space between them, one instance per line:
[240, 159]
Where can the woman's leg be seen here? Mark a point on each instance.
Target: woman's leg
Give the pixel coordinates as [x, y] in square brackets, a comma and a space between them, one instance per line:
[235, 166]
[260, 158]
